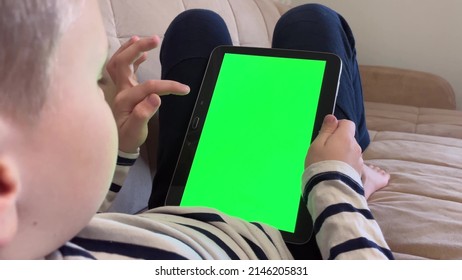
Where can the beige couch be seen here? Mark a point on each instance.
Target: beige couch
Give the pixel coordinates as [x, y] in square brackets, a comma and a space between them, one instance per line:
[416, 133]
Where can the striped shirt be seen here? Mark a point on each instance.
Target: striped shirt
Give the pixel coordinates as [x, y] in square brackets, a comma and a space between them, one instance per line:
[343, 224]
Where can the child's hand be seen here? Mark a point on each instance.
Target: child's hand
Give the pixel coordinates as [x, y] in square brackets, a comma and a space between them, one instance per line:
[336, 141]
[135, 104]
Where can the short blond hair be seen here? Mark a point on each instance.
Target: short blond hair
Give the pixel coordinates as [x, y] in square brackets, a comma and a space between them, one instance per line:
[29, 33]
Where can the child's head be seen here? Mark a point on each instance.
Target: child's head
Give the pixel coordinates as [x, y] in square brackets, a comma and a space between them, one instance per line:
[58, 138]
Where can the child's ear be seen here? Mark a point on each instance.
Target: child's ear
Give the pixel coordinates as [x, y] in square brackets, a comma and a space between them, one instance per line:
[9, 189]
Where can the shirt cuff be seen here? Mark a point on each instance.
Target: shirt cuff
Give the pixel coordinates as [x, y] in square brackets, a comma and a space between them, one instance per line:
[329, 166]
[126, 159]
[129, 155]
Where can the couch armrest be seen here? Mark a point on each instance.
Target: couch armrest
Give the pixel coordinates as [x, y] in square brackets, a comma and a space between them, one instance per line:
[406, 87]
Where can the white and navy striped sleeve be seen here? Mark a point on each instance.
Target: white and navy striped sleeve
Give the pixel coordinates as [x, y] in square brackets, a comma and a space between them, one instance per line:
[174, 233]
[343, 223]
[124, 162]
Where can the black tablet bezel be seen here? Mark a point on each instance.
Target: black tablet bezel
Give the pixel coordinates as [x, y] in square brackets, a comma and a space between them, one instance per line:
[326, 106]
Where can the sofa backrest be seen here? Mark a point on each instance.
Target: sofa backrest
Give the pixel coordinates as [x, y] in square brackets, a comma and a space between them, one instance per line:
[250, 22]
[406, 87]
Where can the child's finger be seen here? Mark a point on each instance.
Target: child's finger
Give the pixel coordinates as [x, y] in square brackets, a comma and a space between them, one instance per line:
[328, 128]
[143, 112]
[133, 52]
[129, 98]
[120, 66]
[166, 87]
[125, 45]
[140, 60]
[134, 130]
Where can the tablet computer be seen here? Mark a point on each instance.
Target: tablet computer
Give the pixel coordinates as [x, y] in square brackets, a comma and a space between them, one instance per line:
[255, 116]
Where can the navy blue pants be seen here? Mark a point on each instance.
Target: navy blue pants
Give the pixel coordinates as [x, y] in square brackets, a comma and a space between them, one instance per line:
[185, 51]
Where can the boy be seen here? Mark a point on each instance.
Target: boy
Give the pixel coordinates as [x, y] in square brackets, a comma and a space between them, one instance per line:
[58, 143]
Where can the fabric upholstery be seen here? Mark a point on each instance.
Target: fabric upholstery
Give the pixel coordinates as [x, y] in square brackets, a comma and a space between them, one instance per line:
[406, 87]
[420, 211]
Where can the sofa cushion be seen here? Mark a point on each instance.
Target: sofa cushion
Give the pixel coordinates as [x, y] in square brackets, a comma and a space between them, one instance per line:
[411, 119]
[419, 211]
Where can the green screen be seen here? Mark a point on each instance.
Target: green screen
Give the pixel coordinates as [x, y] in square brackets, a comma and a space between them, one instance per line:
[258, 129]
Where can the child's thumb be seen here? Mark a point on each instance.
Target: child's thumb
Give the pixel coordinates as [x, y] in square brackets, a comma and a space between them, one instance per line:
[328, 127]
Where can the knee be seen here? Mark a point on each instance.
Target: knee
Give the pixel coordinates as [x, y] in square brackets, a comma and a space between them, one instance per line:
[198, 14]
[313, 12]
[198, 18]
[315, 8]
[193, 33]
[320, 22]
[199, 25]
